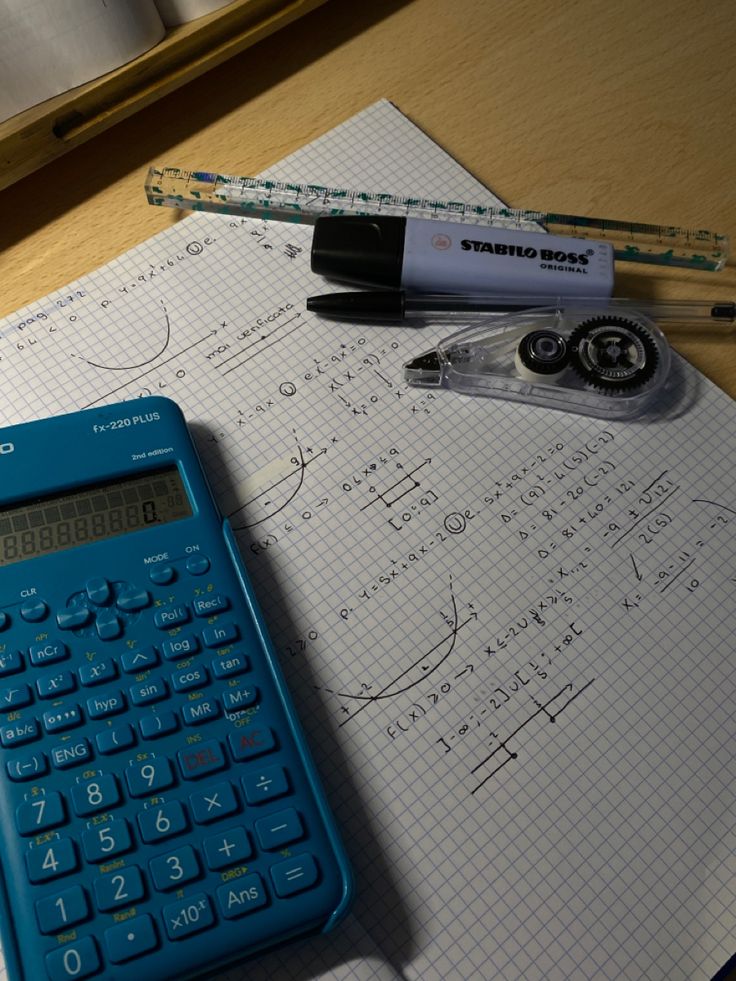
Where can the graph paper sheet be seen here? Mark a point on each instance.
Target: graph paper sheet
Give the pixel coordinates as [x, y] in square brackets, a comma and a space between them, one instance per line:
[508, 631]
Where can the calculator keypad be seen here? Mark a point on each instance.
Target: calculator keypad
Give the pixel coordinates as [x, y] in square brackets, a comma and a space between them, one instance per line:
[156, 793]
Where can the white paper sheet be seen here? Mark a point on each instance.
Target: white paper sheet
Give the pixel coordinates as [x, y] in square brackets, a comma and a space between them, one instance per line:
[508, 631]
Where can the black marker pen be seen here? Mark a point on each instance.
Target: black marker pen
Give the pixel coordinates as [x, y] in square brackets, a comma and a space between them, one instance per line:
[422, 255]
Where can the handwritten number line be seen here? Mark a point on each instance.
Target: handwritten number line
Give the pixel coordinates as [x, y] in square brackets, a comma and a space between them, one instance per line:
[503, 745]
[409, 475]
[257, 341]
[265, 347]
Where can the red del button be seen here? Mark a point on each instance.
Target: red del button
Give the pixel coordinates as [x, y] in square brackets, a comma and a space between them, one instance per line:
[201, 759]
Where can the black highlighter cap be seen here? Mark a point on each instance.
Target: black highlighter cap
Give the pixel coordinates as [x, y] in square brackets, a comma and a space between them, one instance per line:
[359, 249]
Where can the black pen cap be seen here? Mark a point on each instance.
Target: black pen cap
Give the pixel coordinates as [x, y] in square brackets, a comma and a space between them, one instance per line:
[360, 249]
[381, 305]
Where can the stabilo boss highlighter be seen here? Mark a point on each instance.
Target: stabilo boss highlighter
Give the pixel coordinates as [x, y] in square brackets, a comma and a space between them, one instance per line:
[422, 255]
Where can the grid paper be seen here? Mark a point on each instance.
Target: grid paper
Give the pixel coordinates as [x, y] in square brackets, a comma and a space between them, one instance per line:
[507, 631]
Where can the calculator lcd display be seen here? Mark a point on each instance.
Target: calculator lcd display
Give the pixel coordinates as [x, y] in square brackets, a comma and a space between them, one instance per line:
[91, 514]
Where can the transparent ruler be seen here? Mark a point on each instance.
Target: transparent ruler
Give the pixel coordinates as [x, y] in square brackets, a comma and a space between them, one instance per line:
[304, 203]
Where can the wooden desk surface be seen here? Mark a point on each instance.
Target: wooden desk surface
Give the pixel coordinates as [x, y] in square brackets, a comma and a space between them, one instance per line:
[620, 110]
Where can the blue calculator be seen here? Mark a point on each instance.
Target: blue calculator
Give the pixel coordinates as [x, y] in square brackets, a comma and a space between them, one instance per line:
[160, 816]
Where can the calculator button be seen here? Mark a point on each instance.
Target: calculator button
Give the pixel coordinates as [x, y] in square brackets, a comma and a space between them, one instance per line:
[60, 910]
[171, 616]
[187, 916]
[133, 661]
[279, 829]
[71, 619]
[153, 690]
[203, 758]
[114, 740]
[10, 663]
[265, 784]
[97, 673]
[41, 654]
[154, 726]
[218, 801]
[102, 706]
[162, 574]
[220, 635]
[35, 611]
[130, 939]
[149, 776]
[251, 741]
[40, 813]
[132, 600]
[52, 686]
[201, 711]
[78, 959]
[99, 591]
[229, 665]
[108, 628]
[197, 565]
[294, 875]
[173, 870]
[18, 733]
[51, 859]
[227, 848]
[59, 720]
[241, 896]
[239, 698]
[120, 887]
[4, 620]
[211, 604]
[189, 678]
[181, 647]
[95, 795]
[71, 754]
[14, 698]
[27, 767]
[103, 841]
[162, 821]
